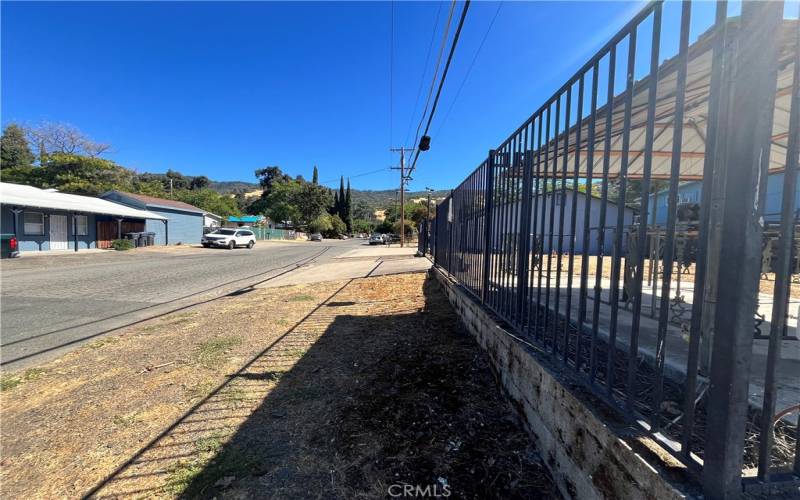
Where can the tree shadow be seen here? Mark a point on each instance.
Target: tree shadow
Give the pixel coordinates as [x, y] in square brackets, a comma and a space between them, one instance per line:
[352, 400]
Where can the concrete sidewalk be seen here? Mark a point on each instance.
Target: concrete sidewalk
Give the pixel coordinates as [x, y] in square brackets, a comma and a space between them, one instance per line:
[357, 263]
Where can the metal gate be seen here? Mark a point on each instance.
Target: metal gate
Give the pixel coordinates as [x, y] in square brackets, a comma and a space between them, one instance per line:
[58, 232]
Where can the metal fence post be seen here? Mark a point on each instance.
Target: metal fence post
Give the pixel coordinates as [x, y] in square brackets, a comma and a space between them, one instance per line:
[745, 159]
[524, 233]
[487, 217]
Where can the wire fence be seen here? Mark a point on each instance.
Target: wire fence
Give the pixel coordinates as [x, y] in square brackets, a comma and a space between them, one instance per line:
[641, 229]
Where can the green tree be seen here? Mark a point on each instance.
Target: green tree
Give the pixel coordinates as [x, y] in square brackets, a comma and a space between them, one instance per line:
[150, 187]
[279, 204]
[15, 150]
[321, 224]
[337, 227]
[85, 175]
[315, 176]
[199, 182]
[362, 226]
[312, 201]
[348, 209]
[267, 176]
[340, 207]
[363, 211]
[209, 200]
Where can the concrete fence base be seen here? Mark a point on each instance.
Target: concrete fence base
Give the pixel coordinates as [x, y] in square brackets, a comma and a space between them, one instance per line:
[590, 457]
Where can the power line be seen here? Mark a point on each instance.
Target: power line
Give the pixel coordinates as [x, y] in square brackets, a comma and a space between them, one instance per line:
[391, 76]
[441, 82]
[471, 65]
[436, 71]
[424, 71]
[357, 175]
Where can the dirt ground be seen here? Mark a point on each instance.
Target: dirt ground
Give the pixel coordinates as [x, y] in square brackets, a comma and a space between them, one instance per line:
[329, 390]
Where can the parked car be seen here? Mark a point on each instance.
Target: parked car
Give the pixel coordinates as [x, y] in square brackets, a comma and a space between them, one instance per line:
[10, 246]
[315, 237]
[229, 238]
[377, 239]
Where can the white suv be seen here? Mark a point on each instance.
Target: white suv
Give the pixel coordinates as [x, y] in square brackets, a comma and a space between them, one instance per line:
[229, 238]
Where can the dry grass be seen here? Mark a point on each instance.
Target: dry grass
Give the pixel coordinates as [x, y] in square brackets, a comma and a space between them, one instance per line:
[228, 402]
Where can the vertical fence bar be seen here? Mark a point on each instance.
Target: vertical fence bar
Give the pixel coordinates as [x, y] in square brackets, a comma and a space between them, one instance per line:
[584, 282]
[618, 233]
[535, 232]
[551, 225]
[783, 258]
[561, 210]
[695, 333]
[573, 221]
[525, 228]
[601, 230]
[746, 161]
[487, 218]
[543, 195]
[641, 238]
[669, 249]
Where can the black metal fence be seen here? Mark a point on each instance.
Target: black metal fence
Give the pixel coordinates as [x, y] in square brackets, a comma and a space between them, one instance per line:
[641, 230]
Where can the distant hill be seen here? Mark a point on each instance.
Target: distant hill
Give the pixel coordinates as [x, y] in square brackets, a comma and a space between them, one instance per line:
[387, 197]
[374, 199]
[227, 187]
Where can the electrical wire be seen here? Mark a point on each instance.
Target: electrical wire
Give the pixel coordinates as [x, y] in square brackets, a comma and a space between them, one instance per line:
[441, 82]
[391, 77]
[362, 174]
[424, 72]
[469, 70]
[436, 71]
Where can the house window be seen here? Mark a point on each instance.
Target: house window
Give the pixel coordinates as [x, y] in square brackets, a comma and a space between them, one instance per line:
[34, 223]
[82, 223]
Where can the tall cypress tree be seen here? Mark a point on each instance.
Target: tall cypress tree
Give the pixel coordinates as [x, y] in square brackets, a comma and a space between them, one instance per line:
[335, 210]
[315, 176]
[341, 206]
[348, 209]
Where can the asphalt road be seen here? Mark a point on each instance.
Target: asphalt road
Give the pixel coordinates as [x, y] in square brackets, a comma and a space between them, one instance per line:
[51, 304]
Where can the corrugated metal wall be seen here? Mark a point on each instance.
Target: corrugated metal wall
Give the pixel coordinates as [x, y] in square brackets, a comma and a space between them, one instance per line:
[184, 227]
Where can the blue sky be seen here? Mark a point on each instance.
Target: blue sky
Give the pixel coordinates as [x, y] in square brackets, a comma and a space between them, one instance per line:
[220, 89]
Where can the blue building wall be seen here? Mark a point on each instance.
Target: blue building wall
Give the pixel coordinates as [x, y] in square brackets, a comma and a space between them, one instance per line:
[40, 242]
[184, 227]
[504, 215]
[690, 193]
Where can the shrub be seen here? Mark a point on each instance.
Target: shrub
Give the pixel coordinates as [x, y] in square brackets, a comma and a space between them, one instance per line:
[122, 244]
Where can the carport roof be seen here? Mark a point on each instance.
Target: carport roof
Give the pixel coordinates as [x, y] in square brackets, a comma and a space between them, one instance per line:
[29, 196]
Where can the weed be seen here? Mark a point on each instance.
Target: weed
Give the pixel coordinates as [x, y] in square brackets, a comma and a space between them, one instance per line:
[8, 382]
[181, 476]
[210, 444]
[234, 395]
[124, 420]
[211, 354]
[296, 352]
[33, 373]
[201, 389]
[300, 298]
[97, 344]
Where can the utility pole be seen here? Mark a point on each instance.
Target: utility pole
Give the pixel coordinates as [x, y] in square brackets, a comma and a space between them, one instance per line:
[403, 181]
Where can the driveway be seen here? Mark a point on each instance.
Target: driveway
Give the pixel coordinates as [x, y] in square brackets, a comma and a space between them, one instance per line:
[51, 304]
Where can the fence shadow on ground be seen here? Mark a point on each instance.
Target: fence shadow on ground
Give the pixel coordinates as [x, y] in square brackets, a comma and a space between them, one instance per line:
[361, 394]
